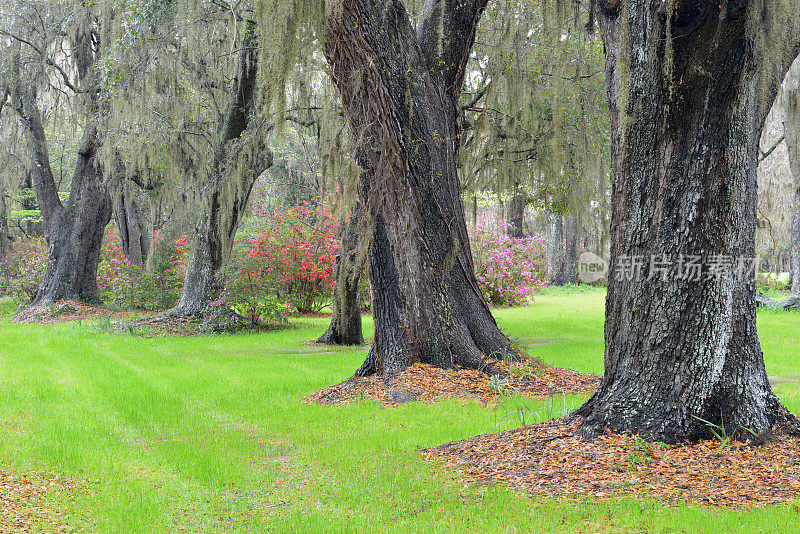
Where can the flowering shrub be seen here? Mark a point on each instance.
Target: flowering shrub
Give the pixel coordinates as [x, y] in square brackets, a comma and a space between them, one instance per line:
[295, 251]
[509, 270]
[249, 291]
[159, 285]
[22, 271]
[156, 287]
[114, 274]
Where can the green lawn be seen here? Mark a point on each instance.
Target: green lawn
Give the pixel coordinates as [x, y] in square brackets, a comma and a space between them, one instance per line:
[212, 434]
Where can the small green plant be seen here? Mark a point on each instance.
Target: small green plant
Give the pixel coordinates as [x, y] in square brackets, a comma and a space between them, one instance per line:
[521, 416]
[721, 433]
[501, 386]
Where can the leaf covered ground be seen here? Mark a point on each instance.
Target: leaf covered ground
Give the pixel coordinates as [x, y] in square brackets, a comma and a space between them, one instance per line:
[552, 459]
[428, 383]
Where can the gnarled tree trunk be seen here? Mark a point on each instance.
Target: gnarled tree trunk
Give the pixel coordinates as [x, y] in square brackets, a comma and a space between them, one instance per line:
[74, 232]
[516, 214]
[791, 126]
[570, 248]
[685, 132]
[399, 89]
[345, 326]
[228, 188]
[555, 250]
[133, 235]
[5, 235]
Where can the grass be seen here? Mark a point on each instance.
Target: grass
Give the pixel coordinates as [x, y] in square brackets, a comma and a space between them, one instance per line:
[211, 434]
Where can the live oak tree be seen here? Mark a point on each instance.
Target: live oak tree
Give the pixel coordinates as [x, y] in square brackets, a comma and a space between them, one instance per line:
[239, 159]
[73, 228]
[689, 87]
[792, 133]
[345, 326]
[400, 87]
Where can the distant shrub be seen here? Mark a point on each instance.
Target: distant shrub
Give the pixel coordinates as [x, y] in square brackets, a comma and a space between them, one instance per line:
[295, 250]
[509, 270]
[22, 270]
[156, 286]
[766, 283]
[251, 291]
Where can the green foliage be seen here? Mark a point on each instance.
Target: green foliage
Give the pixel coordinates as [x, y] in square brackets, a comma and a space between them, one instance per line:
[22, 271]
[250, 292]
[769, 284]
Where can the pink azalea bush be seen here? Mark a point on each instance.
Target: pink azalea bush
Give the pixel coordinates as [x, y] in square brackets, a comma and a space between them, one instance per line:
[509, 270]
[22, 270]
[295, 253]
[155, 288]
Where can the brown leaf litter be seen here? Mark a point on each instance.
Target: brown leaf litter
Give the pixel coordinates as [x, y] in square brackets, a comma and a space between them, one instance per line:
[552, 459]
[429, 383]
[23, 505]
[138, 322]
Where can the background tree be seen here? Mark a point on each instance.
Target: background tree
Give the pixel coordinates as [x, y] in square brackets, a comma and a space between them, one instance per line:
[678, 348]
[792, 131]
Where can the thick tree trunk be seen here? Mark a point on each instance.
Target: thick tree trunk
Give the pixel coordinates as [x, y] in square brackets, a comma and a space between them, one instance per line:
[555, 250]
[74, 232]
[227, 190]
[792, 129]
[5, 235]
[680, 347]
[399, 89]
[516, 214]
[132, 233]
[345, 326]
[571, 248]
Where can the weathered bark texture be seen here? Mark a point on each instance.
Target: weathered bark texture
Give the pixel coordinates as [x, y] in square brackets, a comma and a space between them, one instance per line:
[516, 214]
[74, 232]
[345, 326]
[400, 88]
[685, 157]
[133, 235]
[555, 249]
[5, 235]
[571, 248]
[227, 189]
[792, 129]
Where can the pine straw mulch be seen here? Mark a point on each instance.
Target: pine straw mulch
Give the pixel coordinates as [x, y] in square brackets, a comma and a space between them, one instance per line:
[429, 383]
[552, 459]
[23, 506]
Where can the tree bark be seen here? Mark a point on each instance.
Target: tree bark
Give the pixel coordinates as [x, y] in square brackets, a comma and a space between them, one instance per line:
[74, 232]
[555, 250]
[133, 236]
[516, 214]
[345, 326]
[791, 126]
[685, 132]
[399, 89]
[5, 235]
[228, 188]
[571, 248]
